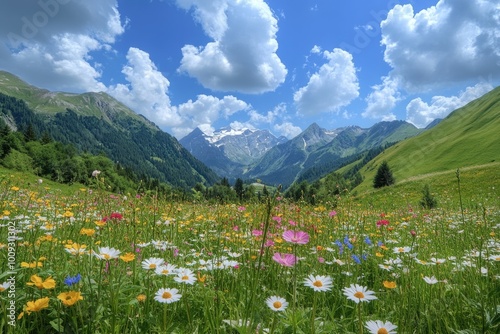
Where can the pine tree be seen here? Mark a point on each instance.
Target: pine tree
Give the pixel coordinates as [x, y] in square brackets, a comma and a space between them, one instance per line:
[383, 177]
[428, 201]
[238, 187]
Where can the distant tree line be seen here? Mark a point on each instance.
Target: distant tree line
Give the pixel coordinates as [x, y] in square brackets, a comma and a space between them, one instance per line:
[28, 151]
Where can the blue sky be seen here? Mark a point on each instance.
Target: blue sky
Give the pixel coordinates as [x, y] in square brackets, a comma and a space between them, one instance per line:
[277, 65]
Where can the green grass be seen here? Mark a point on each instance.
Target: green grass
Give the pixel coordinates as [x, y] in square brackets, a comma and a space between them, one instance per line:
[479, 185]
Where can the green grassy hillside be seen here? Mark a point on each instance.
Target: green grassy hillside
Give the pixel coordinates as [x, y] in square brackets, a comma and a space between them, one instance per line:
[479, 186]
[469, 136]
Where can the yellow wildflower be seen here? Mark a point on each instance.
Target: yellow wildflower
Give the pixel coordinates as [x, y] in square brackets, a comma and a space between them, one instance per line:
[389, 284]
[48, 283]
[37, 305]
[70, 298]
[127, 257]
[34, 264]
[87, 231]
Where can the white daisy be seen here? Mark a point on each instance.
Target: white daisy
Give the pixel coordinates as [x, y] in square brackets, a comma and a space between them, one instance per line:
[4, 286]
[185, 276]
[166, 269]
[437, 261]
[494, 257]
[405, 249]
[358, 293]
[152, 263]
[319, 282]
[167, 295]
[379, 327]
[106, 253]
[430, 280]
[276, 303]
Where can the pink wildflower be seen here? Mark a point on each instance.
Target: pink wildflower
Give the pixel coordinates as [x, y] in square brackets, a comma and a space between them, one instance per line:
[269, 243]
[287, 260]
[257, 233]
[296, 237]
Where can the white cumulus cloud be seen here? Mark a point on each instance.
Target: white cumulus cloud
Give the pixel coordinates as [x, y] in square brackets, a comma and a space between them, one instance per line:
[382, 100]
[421, 113]
[147, 94]
[147, 91]
[453, 41]
[287, 129]
[333, 86]
[242, 56]
[206, 109]
[50, 42]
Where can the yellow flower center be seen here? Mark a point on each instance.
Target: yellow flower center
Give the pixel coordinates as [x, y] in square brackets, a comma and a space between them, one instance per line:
[318, 284]
[382, 331]
[185, 278]
[401, 249]
[359, 295]
[166, 295]
[152, 266]
[277, 304]
[106, 256]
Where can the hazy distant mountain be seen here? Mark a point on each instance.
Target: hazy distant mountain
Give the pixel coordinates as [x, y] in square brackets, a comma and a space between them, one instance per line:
[319, 147]
[96, 122]
[229, 151]
[433, 123]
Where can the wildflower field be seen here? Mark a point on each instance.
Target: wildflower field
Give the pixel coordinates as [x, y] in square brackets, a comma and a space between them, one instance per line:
[87, 261]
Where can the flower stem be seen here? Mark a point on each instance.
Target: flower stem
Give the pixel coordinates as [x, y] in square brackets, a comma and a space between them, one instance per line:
[313, 313]
[360, 318]
[165, 318]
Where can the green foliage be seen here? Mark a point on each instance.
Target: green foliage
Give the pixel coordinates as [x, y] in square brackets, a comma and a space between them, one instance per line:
[384, 176]
[428, 200]
[238, 188]
[18, 161]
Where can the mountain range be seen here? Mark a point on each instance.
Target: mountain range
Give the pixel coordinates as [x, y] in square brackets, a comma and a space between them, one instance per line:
[229, 151]
[257, 154]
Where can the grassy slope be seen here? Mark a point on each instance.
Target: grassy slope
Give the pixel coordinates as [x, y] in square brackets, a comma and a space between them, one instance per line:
[467, 137]
[479, 185]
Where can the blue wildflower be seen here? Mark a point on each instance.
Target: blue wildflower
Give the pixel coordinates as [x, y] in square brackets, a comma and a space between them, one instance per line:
[356, 258]
[368, 241]
[69, 281]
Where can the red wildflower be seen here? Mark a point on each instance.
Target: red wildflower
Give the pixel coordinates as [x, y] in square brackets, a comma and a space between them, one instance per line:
[382, 222]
